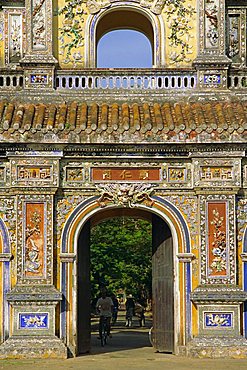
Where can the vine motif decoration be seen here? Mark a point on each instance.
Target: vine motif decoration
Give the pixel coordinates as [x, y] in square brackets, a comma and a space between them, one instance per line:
[125, 195]
[72, 29]
[219, 243]
[178, 16]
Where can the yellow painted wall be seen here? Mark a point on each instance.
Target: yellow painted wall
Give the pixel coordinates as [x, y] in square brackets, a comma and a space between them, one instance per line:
[1, 39]
[180, 34]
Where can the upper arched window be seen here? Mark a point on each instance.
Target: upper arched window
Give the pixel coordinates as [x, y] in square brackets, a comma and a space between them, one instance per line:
[124, 49]
[124, 39]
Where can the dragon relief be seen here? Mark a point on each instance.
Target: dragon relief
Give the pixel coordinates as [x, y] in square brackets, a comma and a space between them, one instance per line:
[125, 195]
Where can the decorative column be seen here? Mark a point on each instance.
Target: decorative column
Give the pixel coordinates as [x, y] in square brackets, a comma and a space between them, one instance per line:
[39, 62]
[34, 178]
[218, 298]
[212, 63]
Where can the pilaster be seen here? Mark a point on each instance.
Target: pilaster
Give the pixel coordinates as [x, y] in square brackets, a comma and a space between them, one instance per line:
[39, 62]
[212, 64]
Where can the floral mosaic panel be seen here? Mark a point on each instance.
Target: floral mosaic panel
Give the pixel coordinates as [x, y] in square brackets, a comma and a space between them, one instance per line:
[39, 24]
[236, 35]
[33, 320]
[35, 238]
[14, 34]
[212, 23]
[217, 239]
[217, 223]
[218, 320]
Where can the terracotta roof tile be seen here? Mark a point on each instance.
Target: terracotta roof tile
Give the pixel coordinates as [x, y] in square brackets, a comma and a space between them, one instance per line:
[168, 122]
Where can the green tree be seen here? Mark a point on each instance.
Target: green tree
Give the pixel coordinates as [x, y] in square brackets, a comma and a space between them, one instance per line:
[121, 252]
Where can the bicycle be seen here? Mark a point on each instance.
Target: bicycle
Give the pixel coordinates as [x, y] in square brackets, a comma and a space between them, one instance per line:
[103, 329]
[151, 336]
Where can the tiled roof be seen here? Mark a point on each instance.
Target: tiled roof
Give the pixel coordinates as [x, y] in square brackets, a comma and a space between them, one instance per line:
[166, 122]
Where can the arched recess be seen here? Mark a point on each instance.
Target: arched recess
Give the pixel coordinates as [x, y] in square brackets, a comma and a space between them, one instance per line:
[5, 274]
[128, 16]
[182, 285]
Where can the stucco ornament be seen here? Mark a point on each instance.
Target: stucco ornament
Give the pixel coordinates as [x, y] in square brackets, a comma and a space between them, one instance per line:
[125, 195]
[94, 6]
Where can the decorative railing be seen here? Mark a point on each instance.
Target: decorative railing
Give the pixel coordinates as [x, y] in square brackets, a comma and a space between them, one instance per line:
[123, 80]
[11, 79]
[107, 80]
[237, 80]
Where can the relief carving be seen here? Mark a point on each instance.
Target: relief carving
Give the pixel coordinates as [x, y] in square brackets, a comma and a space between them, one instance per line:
[125, 195]
[74, 174]
[176, 174]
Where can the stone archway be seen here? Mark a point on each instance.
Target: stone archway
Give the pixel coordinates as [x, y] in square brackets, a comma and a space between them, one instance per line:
[181, 245]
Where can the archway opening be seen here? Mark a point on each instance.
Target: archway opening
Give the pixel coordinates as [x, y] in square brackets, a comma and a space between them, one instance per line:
[158, 301]
[124, 39]
[124, 49]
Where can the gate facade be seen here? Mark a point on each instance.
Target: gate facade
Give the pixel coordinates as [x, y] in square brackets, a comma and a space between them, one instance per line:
[77, 141]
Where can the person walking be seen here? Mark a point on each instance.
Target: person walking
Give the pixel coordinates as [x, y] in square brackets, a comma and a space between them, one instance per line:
[130, 309]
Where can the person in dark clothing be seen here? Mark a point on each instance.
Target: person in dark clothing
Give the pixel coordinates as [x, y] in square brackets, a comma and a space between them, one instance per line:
[130, 309]
[115, 309]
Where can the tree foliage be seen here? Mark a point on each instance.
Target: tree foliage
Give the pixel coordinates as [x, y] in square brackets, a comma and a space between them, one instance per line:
[121, 252]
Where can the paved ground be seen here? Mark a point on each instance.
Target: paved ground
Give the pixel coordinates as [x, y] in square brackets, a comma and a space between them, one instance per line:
[128, 349]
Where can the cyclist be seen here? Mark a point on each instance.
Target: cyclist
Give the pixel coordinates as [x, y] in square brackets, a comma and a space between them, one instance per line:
[104, 306]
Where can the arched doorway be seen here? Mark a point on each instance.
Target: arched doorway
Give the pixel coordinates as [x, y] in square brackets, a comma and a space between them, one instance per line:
[162, 280]
[177, 231]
